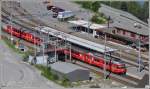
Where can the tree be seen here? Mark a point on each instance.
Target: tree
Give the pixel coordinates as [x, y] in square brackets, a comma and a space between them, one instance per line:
[95, 6]
[124, 6]
[145, 11]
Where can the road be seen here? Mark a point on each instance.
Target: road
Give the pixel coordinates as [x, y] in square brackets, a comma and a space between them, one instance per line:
[16, 74]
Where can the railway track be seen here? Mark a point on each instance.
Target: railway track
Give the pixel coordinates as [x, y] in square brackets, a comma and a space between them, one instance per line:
[22, 11]
[125, 79]
[128, 79]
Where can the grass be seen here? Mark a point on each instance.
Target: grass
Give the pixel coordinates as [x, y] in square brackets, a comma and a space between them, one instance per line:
[46, 72]
[12, 46]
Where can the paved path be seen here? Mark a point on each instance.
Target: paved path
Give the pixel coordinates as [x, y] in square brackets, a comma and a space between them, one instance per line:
[16, 74]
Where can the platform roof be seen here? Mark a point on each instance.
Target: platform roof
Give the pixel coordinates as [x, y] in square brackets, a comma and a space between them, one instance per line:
[77, 40]
[86, 24]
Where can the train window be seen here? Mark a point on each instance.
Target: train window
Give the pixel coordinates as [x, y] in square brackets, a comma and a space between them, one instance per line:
[121, 66]
[97, 60]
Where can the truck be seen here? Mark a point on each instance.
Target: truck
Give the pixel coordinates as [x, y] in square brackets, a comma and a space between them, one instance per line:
[65, 15]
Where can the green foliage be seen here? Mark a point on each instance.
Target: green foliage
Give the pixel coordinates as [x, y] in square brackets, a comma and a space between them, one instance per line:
[46, 72]
[91, 5]
[65, 82]
[133, 7]
[24, 55]
[12, 46]
[99, 19]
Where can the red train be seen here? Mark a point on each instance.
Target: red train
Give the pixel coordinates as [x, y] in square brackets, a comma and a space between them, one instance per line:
[23, 35]
[114, 65]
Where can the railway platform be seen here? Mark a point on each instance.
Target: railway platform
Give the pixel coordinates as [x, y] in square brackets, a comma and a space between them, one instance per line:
[134, 72]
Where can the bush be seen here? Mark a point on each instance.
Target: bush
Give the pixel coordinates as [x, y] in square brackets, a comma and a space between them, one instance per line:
[46, 72]
[55, 77]
[65, 82]
[99, 19]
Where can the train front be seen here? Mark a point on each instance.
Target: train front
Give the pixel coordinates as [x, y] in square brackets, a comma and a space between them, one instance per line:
[118, 67]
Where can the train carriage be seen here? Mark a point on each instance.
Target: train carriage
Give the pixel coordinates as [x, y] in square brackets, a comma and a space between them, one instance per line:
[26, 35]
[112, 64]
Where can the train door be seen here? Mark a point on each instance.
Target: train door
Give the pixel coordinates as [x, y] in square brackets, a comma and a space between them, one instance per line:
[90, 58]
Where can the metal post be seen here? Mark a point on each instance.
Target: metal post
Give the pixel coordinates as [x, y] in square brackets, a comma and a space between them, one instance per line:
[139, 55]
[88, 23]
[55, 52]
[105, 57]
[43, 50]
[42, 45]
[137, 25]
[1, 72]
[149, 46]
[70, 52]
[34, 46]
[66, 49]
[0, 20]
[11, 38]
[47, 46]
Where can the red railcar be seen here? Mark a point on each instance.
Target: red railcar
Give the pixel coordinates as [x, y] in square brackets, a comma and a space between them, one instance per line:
[23, 35]
[114, 65]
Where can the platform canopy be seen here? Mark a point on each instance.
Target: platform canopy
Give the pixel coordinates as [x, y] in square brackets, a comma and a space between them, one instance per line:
[87, 24]
[77, 40]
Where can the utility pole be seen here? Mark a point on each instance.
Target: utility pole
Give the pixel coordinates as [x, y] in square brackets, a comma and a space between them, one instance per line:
[139, 55]
[149, 43]
[0, 20]
[70, 51]
[55, 51]
[88, 30]
[34, 47]
[105, 52]
[138, 26]
[11, 38]
[66, 49]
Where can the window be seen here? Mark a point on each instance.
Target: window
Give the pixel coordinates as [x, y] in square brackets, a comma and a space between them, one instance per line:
[113, 31]
[124, 32]
[118, 31]
[132, 34]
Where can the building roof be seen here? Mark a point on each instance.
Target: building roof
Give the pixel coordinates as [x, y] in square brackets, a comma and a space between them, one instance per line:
[64, 67]
[86, 24]
[124, 20]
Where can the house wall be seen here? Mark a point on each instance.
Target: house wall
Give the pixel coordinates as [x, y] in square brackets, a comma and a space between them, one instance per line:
[129, 34]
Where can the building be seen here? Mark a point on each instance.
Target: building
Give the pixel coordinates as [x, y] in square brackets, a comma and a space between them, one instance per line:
[70, 71]
[87, 26]
[127, 25]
